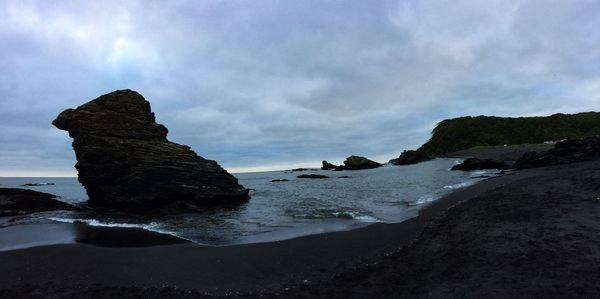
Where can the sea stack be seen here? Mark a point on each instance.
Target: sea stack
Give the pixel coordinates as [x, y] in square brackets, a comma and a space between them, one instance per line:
[124, 159]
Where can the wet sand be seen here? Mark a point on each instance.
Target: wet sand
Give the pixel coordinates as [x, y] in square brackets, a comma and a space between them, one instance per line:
[530, 233]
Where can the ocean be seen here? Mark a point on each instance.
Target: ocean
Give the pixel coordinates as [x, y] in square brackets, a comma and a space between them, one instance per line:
[287, 209]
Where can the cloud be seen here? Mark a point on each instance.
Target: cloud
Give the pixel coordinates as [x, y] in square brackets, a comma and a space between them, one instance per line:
[276, 83]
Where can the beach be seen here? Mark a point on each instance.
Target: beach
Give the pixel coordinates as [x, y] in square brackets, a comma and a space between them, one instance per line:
[529, 233]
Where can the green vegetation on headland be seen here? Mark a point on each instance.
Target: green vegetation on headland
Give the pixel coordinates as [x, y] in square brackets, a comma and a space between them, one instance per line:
[461, 133]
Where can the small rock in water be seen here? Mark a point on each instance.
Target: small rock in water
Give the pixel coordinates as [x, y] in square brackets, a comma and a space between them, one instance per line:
[312, 176]
[279, 180]
[328, 166]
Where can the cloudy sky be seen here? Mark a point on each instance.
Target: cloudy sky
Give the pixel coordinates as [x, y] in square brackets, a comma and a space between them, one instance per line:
[278, 84]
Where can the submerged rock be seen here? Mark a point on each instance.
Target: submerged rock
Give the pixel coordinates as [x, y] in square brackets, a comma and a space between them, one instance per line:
[278, 180]
[475, 164]
[328, 166]
[357, 163]
[124, 159]
[312, 176]
[22, 201]
[410, 157]
[568, 151]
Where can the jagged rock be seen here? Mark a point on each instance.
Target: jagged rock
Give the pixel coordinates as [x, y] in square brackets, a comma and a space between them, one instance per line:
[410, 157]
[312, 176]
[125, 160]
[357, 163]
[21, 201]
[328, 166]
[475, 164]
[568, 151]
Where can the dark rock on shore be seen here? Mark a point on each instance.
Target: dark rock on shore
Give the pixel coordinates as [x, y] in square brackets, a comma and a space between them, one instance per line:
[410, 157]
[22, 201]
[125, 161]
[568, 151]
[328, 166]
[475, 164]
[312, 176]
[279, 180]
[358, 163]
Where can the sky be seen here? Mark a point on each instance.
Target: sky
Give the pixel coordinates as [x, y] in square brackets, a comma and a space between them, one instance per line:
[263, 85]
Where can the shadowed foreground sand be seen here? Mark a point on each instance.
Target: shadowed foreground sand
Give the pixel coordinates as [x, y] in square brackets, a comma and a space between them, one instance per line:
[533, 233]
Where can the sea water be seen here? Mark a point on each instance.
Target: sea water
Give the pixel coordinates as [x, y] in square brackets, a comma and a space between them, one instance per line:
[287, 209]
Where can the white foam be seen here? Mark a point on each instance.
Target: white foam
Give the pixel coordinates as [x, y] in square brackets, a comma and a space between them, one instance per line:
[459, 185]
[152, 226]
[355, 216]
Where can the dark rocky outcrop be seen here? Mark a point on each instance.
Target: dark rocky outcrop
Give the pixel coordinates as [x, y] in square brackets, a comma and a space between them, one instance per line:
[568, 151]
[124, 159]
[312, 176]
[475, 164]
[357, 163]
[328, 166]
[21, 201]
[410, 157]
[279, 180]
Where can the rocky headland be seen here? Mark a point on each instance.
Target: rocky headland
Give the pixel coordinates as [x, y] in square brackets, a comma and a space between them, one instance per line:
[125, 160]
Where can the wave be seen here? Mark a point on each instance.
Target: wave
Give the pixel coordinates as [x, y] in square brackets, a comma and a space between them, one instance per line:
[460, 185]
[354, 216]
[152, 226]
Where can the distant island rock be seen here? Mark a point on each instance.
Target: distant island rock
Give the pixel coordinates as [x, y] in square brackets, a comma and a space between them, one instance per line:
[568, 151]
[22, 201]
[37, 184]
[358, 163]
[475, 164]
[328, 166]
[125, 161]
[312, 176]
[410, 157]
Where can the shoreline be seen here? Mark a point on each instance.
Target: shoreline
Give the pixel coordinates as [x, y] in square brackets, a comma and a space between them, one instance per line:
[246, 268]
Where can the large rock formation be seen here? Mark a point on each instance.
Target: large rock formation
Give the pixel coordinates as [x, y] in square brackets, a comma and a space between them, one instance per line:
[568, 151]
[125, 160]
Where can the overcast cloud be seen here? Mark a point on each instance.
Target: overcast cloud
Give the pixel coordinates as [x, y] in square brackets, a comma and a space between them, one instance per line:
[277, 84]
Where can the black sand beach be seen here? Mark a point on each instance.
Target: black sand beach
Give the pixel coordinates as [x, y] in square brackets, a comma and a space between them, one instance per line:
[531, 233]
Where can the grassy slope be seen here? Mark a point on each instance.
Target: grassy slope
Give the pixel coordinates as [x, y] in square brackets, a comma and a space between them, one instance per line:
[456, 134]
